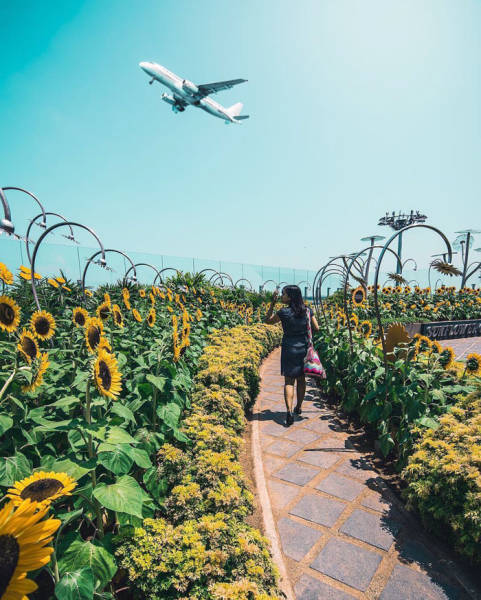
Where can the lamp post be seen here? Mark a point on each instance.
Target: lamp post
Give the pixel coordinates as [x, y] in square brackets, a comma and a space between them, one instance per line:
[466, 244]
[398, 222]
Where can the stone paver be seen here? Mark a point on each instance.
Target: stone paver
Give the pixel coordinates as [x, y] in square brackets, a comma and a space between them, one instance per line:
[347, 563]
[372, 529]
[308, 588]
[343, 534]
[340, 486]
[296, 539]
[318, 509]
[464, 346]
[298, 474]
[406, 584]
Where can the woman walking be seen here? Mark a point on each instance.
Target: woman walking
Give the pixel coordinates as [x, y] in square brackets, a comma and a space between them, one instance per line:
[294, 344]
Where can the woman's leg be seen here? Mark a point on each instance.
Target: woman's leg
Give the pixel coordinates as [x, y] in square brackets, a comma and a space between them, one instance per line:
[300, 390]
[289, 392]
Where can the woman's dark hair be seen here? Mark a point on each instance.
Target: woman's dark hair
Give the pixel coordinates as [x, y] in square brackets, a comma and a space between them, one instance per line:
[295, 300]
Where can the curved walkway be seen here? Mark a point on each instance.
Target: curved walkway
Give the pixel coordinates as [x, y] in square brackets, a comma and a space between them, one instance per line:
[337, 531]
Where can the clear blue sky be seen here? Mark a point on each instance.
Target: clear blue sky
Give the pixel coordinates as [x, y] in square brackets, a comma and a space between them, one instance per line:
[357, 107]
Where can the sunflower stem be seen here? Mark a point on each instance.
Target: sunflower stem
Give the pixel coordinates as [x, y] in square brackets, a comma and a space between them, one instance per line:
[88, 418]
[8, 382]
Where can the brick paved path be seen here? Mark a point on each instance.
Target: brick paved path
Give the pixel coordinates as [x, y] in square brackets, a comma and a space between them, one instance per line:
[463, 346]
[343, 534]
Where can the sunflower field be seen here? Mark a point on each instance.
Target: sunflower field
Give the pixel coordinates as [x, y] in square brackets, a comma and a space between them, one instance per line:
[421, 407]
[92, 387]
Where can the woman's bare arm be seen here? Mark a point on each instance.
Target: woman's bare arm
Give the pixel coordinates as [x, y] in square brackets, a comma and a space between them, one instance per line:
[270, 318]
[315, 324]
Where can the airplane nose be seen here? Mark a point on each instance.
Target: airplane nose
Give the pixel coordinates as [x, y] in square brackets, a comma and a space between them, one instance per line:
[144, 65]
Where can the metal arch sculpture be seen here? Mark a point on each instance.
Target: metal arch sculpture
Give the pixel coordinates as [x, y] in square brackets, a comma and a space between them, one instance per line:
[334, 270]
[348, 273]
[405, 263]
[265, 282]
[220, 274]
[244, 279]
[317, 286]
[159, 275]
[91, 258]
[71, 237]
[44, 235]
[376, 277]
[141, 264]
[6, 223]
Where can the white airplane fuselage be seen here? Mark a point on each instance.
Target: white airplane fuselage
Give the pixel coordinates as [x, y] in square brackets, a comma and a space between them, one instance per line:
[184, 90]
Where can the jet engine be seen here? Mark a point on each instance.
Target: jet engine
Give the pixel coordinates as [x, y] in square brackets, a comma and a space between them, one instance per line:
[169, 99]
[190, 87]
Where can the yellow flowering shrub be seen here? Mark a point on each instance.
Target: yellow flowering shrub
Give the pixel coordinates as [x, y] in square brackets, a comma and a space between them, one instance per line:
[444, 476]
[202, 548]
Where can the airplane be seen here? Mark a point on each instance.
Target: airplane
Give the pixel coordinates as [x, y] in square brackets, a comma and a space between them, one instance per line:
[185, 93]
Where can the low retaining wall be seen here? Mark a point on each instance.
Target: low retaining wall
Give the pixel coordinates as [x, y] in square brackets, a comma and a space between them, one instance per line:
[446, 330]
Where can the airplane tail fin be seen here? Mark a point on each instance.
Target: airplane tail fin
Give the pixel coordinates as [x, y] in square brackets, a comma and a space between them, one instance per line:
[235, 109]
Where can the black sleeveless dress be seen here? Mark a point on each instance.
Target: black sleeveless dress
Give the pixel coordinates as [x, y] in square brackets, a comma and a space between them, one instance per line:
[294, 342]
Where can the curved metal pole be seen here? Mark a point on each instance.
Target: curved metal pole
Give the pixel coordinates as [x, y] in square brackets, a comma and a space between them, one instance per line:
[6, 223]
[321, 271]
[140, 264]
[44, 224]
[159, 273]
[243, 279]
[436, 284]
[354, 258]
[267, 281]
[406, 261]
[334, 270]
[227, 276]
[221, 274]
[90, 261]
[43, 236]
[28, 242]
[279, 284]
[414, 281]
[376, 278]
[468, 275]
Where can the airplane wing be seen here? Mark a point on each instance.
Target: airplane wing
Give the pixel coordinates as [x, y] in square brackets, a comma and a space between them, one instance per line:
[212, 88]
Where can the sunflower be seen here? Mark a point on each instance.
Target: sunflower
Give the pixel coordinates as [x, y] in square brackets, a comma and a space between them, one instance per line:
[136, 315]
[473, 364]
[446, 357]
[423, 344]
[9, 314]
[67, 289]
[88, 293]
[445, 268]
[107, 375]
[26, 273]
[41, 487]
[37, 379]
[358, 295]
[24, 539]
[117, 315]
[398, 278]
[5, 275]
[366, 328]
[52, 282]
[103, 311]
[104, 344]
[80, 316]
[126, 298]
[60, 280]
[198, 314]
[93, 332]
[152, 299]
[43, 324]
[151, 317]
[142, 293]
[28, 345]
[436, 347]
[107, 298]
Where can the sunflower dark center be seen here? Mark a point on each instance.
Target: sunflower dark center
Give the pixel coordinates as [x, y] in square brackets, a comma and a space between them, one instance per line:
[117, 317]
[7, 314]
[472, 364]
[94, 337]
[105, 376]
[80, 318]
[9, 551]
[151, 318]
[29, 347]
[104, 312]
[42, 326]
[41, 489]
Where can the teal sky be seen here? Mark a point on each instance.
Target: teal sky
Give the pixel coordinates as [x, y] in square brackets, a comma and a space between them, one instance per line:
[357, 107]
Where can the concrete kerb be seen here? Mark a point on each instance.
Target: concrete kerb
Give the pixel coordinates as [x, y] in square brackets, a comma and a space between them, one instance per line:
[265, 502]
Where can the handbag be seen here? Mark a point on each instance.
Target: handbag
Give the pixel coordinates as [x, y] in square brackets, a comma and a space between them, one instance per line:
[312, 364]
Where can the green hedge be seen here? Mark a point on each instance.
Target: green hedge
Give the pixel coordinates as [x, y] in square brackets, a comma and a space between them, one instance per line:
[201, 547]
